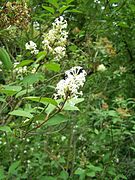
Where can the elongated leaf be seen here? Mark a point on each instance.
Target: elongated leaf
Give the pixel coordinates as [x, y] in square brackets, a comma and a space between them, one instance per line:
[50, 108]
[70, 107]
[13, 167]
[70, 104]
[5, 59]
[50, 9]
[58, 119]
[63, 8]
[32, 78]
[42, 100]
[21, 113]
[69, 1]
[73, 11]
[76, 100]
[53, 66]
[23, 92]
[54, 3]
[41, 55]
[114, 1]
[10, 90]
[5, 128]
[24, 63]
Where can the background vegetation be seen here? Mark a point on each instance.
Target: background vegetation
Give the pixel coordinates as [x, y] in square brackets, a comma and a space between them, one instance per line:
[94, 139]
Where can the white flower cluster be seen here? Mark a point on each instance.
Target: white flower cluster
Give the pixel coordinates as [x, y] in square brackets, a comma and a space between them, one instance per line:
[69, 87]
[19, 70]
[36, 25]
[55, 40]
[101, 68]
[32, 47]
[22, 70]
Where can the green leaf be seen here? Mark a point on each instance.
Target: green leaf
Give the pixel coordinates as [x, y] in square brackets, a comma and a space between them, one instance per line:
[94, 168]
[73, 11]
[63, 8]
[76, 100]
[2, 176]
[69, 1]
[79, 171]
[53, 66]
[10, 90]
[42, 100]
[50, 108]
[21, 113]
[123, 24]
[2, 99]
[50, 9]
[91, 174]
[23, 92]
[120, 176]
[5, 59]
[32, 78]
[114, 1]
[57, 119]
[48, 178]
[6, 129]
[112, 113]
[132, 7]
[24, 63]
[73, 48]
[40, 56]
[69, 106]
[54, 3]
[64, 175]
[13, 167]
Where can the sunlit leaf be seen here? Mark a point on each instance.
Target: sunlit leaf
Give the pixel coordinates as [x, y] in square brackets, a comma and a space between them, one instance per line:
[5, 128]
[10, 90]
[57, 119]
[53, 67]
[42, 100]
[41, 55]
[21, 113]
[50, 9]
[24, 63]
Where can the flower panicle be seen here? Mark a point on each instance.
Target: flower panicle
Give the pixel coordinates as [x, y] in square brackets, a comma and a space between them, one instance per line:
[54, 42]
[69, 86]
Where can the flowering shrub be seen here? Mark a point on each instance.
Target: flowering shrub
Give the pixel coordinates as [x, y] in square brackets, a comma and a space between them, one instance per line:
[66, 102]
[54, 42]
[68, 87]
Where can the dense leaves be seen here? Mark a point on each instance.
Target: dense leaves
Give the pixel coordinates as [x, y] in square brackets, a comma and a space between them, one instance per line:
[49, 137]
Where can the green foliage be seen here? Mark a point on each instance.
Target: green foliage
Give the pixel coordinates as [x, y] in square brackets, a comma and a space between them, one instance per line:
[85, 138]
[5, 58]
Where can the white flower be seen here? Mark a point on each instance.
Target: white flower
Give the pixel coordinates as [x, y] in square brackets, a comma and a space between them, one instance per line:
[122, 69]
[34, 51]
[36, 25]
[63, 138]
[32, 47]
[55, 40]
[101, 67]
[59, 52]
[69, 87]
